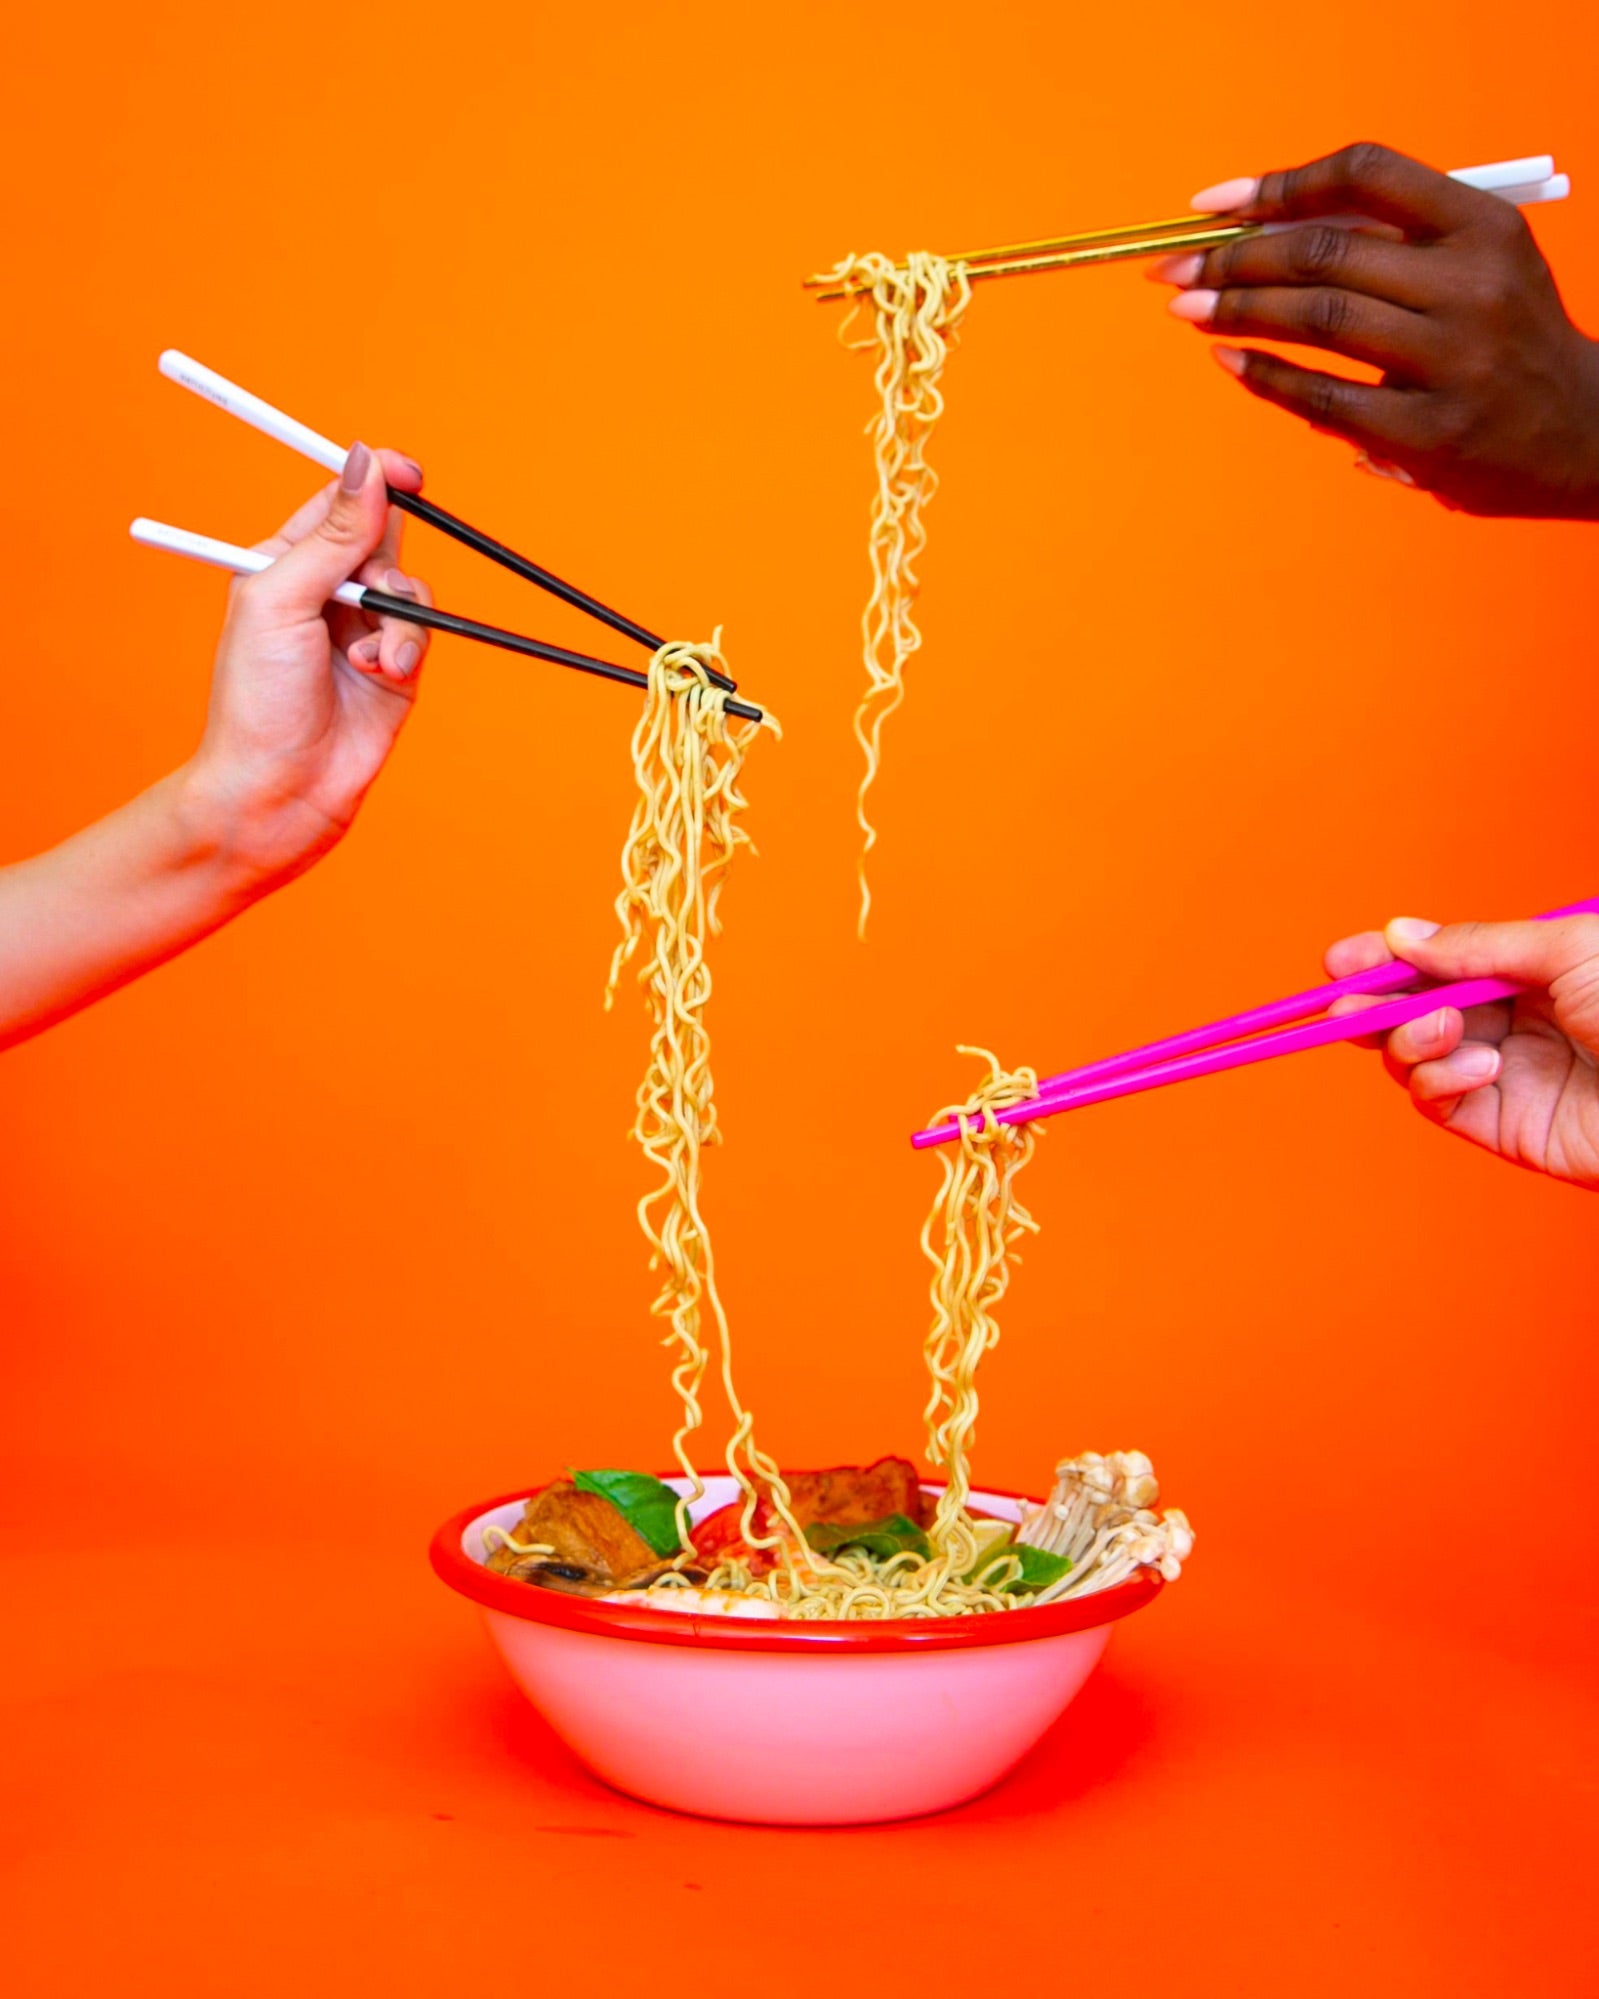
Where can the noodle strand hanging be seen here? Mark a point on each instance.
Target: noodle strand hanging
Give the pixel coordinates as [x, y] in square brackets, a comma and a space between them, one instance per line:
[916, 308]
[686, 828]
[768, 1553]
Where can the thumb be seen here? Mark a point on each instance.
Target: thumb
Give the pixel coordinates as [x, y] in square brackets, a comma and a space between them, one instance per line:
[302, 580]
[1536, 953]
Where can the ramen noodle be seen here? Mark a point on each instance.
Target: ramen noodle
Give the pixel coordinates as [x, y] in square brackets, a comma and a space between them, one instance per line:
[916, 307]
[856, 1541]
[686, 827]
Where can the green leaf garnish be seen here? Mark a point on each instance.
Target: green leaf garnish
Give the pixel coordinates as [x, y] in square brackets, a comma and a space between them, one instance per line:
[648, 1506]
[1037, 1568]
[883, 1538]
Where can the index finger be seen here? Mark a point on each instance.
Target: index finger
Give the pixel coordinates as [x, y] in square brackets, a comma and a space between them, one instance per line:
[1363, 179]
[1359, 953]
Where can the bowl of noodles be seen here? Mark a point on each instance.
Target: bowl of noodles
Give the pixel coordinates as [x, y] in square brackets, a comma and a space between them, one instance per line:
[771, 1646]
[725, 1703]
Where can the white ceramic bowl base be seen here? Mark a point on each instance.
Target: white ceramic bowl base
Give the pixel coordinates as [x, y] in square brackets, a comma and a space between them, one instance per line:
[786, 1723]
[785, 1740]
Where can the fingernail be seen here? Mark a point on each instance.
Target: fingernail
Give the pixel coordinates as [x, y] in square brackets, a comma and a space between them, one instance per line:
[1381, 468]
[1432, 1028]
[411, 465]
[406, 658]
[1198, 307]
[1176, 270]
[398, 584]
[1225, 194]
[1476, 1064]
[1412, 930]
[364, 652]
[356, 463]
[1234, 359]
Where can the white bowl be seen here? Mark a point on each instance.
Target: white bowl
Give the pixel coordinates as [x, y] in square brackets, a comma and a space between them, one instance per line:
[781, 1722]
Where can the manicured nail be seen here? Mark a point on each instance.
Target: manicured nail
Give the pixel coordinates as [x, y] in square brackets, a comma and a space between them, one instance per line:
[1475, 1065]
[1412, 930]
[356, 464]
[1198, 307]
[1177, 270]
[1381, 468]
[398, 584]
[1234, 359]
[1224, 195]
[406, 658]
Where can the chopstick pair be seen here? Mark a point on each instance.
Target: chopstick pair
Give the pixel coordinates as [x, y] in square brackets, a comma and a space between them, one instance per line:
[1523, 182]
[1221, 1044]
[274, 423]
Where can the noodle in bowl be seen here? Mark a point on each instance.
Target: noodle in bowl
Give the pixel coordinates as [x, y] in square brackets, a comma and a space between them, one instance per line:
[729, 1714]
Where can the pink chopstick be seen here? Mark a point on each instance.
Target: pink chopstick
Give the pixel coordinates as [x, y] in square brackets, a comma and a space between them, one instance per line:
[1200, 1052]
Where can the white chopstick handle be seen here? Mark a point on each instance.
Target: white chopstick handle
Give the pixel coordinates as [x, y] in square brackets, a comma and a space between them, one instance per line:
[203, 381]
[1504, 175]
[1555, 188]
[221, 554]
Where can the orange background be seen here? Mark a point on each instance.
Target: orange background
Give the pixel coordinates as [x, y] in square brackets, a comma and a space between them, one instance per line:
[327, 1229]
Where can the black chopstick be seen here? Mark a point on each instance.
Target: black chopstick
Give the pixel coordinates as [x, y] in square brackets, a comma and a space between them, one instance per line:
[275, 423]
[382, 604]
[531, 572]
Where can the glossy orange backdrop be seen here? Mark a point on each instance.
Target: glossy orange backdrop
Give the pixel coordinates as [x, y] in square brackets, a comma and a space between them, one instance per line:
[327, 1228]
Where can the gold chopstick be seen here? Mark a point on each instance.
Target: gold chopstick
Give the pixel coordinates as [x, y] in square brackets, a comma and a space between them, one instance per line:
[1083, 238]
[1100, 253]
[1110, 253]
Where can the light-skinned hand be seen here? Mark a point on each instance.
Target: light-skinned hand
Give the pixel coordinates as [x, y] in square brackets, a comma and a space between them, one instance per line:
[308, 696]
[1521, 1077]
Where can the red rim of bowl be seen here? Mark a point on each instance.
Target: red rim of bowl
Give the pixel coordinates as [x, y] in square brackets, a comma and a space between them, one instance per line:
[454, 1566]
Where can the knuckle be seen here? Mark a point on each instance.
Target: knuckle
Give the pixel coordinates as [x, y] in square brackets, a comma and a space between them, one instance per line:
[1484, 291]
[1452, 425]
[1504, 224]
[1236, 307]
[1324, 396]
[1365, 164]
[339, 525]
[1583, 932]
[1318, 253]
[1328, 313]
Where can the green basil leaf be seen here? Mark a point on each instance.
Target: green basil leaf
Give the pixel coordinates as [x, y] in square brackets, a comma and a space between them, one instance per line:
[1038, 1568]
[894, 1536]
[648, 1506]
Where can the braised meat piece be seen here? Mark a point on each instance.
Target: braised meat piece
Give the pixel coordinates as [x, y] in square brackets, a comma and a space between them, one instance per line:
[592, 1549]
[844, 1496]
[852, 1495]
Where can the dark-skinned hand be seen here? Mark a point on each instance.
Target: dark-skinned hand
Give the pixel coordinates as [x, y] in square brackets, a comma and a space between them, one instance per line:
[1489, 395]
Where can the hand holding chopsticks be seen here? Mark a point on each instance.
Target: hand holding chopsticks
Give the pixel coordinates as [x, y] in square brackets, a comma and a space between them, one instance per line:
[275, 423]
[250, 562]
[1522, 183]
[1489, 395]
[1468, 967]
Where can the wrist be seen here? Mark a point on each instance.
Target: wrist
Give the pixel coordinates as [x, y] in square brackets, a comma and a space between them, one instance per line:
[250, 836]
